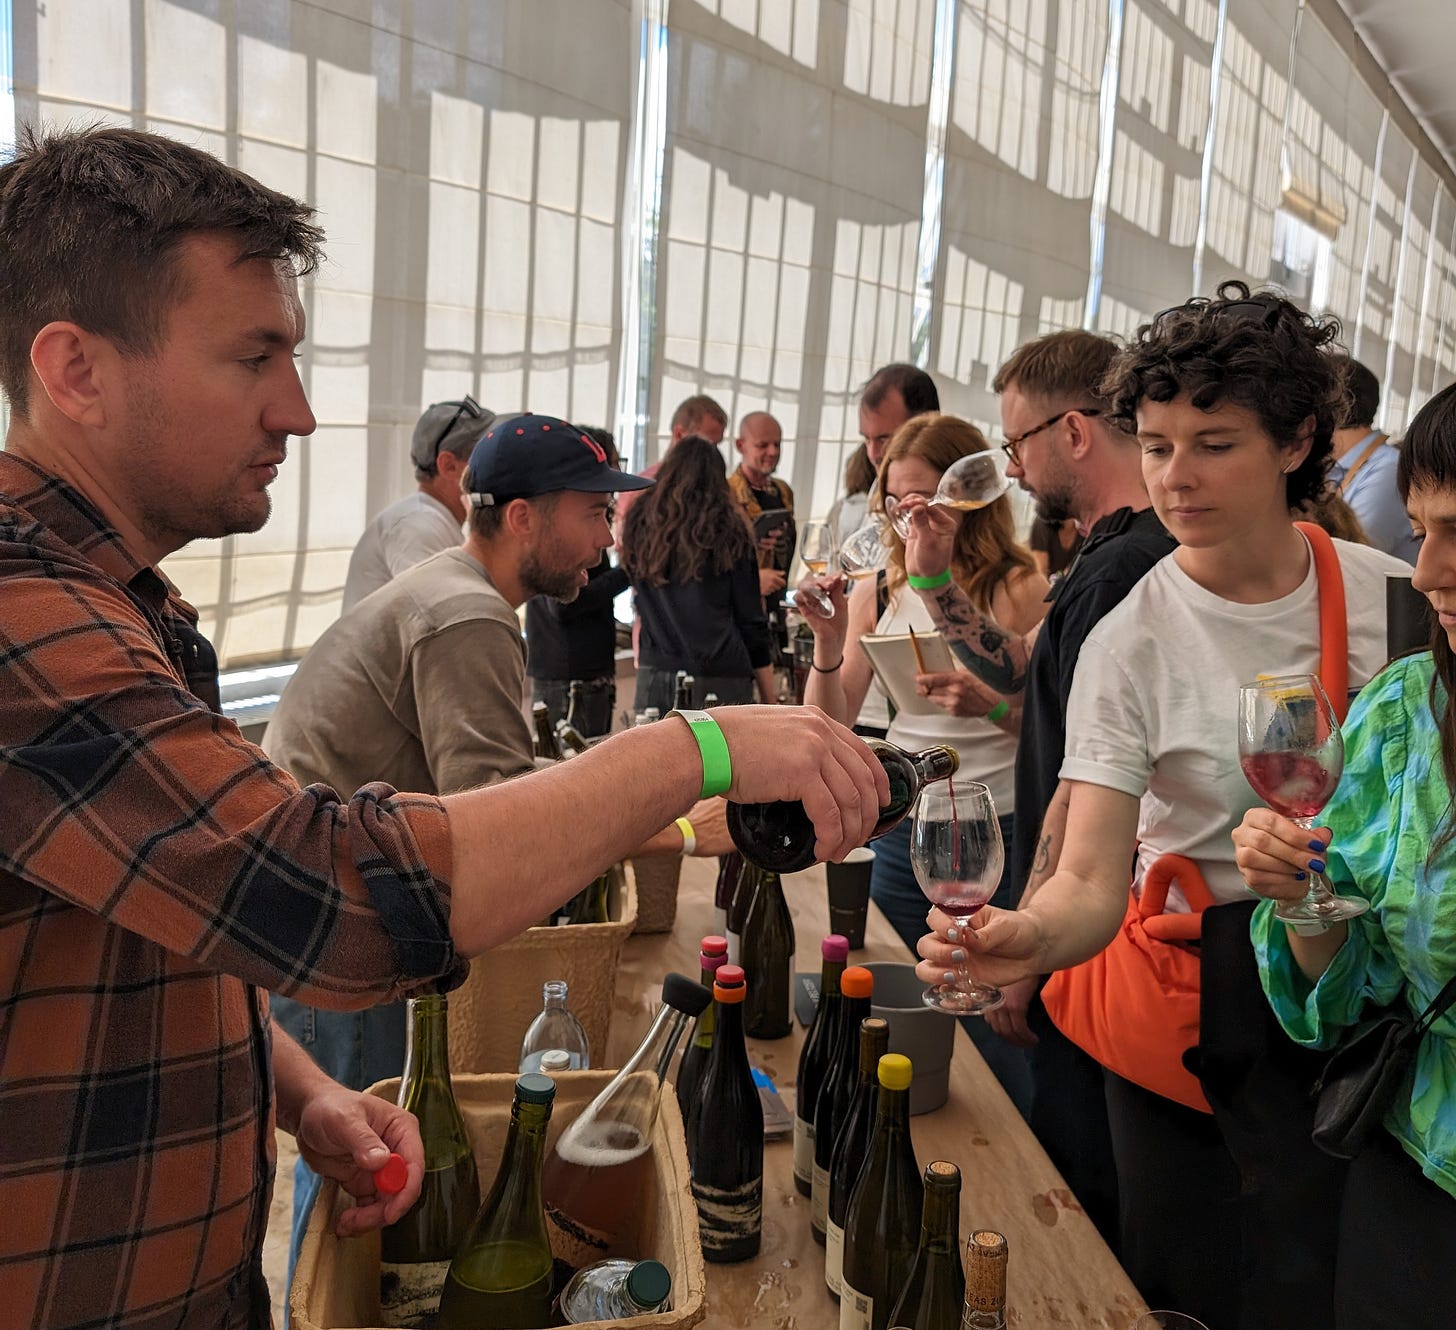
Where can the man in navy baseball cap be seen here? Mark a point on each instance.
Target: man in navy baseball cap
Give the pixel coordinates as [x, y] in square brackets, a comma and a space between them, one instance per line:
[525, 456]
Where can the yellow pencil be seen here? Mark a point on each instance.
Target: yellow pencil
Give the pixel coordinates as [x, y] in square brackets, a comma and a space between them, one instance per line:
[919, 659]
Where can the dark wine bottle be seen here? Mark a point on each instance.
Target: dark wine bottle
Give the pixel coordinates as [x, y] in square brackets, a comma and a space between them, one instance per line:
[985, 1307]
[935, 1294]
[856, 986]
[767, 951]
[589, 905]
[743, 893]
[576, 694]
[543, 740]
[814, 1057]
[729, 867]
[569, 739]
[713, 955]
[598, 1178]
[853, 1144]
[415, 1250]
[727, 1155]
[780, 836]
[683, 695]
[883, 1219]
[501, 1276]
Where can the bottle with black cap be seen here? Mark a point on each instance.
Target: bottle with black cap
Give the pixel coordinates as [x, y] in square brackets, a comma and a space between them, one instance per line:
[501, 1276]
[597, 1176]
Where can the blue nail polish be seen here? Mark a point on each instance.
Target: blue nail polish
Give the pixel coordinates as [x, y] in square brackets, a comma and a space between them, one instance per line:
[1299, 877]
[958, 957]
[1316, 845]
[953, 934]
[950, 978]
[1316, 865]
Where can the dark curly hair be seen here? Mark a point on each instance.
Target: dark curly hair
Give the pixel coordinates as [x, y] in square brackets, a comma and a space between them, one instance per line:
[688, 524]
[1259, 352]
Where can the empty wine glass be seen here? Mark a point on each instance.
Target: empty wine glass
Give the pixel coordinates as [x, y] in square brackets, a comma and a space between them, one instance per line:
[816, 549]
[1292, 753]
[970, 482]
[957, 855]
[864, 553]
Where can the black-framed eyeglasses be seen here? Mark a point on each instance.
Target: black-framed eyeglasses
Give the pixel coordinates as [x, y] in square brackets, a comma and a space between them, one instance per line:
[1012, 446]
[468, 407]
[1266, 309]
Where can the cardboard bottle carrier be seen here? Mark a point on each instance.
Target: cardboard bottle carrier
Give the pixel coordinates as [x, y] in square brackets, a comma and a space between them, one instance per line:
[336, 1283]
[490, 1011]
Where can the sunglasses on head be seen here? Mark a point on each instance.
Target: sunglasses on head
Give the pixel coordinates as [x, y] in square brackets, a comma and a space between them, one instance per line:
[468, 407]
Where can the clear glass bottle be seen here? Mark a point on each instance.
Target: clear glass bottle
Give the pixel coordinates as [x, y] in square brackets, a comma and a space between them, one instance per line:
[596, 1178]
[935, 1294]
[814, 1058]
[554, 1027]
[415, 1250]
[501, 1276]
[780, 836]
[712, 955]
[616, 1290]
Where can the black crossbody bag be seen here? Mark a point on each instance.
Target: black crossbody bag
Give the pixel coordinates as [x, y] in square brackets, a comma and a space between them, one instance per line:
[1366, 1071]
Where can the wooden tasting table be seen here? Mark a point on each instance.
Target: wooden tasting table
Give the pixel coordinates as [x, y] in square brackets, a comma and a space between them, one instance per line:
[1061, 1276]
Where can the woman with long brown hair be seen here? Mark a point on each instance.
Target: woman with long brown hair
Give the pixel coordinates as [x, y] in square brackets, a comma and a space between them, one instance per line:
[694, 572]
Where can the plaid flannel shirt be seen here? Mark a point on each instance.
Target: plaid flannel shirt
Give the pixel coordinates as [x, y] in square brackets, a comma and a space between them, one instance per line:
[157, 873]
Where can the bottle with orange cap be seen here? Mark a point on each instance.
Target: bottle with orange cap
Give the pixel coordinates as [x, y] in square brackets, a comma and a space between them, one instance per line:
[882, 1222]
[836, 1092]
[727, 1153]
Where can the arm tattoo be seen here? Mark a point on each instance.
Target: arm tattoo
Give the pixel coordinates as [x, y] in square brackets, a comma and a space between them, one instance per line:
[1043, 853]
[997, 658]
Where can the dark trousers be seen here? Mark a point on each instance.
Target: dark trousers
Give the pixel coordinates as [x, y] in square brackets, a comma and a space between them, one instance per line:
[1178, 1190]
[1397, 1233]
[598, 699]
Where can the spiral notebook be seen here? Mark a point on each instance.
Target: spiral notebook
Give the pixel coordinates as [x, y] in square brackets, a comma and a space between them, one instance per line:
[892, 658]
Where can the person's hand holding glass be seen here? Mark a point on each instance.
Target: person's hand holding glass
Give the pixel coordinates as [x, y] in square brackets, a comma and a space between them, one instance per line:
[968, 483]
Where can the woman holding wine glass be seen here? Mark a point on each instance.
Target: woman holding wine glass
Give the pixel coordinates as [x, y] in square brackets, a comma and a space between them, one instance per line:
[1234, 401]
[1389, 840]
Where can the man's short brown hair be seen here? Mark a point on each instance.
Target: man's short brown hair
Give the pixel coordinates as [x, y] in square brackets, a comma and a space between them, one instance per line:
[1059, 367]
[916, 388]
[90, 224]
[692, 411]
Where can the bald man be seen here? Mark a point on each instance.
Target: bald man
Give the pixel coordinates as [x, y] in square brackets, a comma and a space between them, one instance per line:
[760, 444]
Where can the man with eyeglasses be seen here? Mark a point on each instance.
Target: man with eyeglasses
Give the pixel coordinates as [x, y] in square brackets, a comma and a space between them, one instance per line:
[429, 520]
[1061, 449]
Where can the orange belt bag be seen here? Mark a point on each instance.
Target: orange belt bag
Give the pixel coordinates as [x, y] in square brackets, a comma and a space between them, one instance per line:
[1134, 1007]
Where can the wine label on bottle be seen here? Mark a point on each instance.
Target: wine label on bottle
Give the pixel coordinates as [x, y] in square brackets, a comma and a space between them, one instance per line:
[856, 1309]
[834, 1257]
[819, 1201]
[728, 1216]
[409, 1292]
[803, 1150]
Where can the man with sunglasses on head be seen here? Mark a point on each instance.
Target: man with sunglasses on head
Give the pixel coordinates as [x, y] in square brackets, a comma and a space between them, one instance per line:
[429, 520]
[1062, 450]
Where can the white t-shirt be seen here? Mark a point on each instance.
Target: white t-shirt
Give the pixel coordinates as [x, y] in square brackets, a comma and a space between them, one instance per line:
[405, 533]
[1154, 704]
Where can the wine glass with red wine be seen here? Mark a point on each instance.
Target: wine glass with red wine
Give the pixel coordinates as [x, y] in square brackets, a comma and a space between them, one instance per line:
[957, 855]
[1292, 753]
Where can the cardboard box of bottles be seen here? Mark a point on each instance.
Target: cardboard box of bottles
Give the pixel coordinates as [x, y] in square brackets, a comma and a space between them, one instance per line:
[490, 1011]
[336, 1283]
[657, 878]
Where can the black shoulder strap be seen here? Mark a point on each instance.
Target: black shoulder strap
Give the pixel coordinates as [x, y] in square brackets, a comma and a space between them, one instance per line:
[882, 594]
[1438, 1007]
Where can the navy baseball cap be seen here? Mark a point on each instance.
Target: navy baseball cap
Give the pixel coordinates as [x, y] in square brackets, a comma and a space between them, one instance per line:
[520, 457]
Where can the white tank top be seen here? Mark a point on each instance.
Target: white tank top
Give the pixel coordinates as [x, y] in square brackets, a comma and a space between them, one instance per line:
[987, 753]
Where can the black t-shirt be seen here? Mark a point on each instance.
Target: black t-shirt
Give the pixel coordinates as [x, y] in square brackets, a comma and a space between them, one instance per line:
[578, 639]
[1117, 554]
[713, 627]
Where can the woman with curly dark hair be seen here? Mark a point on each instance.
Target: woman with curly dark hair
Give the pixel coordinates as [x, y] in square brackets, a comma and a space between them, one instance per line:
[694, 572]
[1234, 401]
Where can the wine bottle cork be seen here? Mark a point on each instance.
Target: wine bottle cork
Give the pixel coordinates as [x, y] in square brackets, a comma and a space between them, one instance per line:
[985, 1277]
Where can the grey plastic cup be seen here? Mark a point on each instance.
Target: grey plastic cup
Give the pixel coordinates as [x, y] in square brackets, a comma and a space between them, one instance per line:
[849, 895]
[923, 1034]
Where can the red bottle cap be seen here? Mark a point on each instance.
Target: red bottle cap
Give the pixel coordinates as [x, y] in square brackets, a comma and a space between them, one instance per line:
[390, 1180]
[835, 948]
[713, 945]
[728, 984]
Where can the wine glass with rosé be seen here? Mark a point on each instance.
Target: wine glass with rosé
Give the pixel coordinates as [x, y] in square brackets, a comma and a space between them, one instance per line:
[1292, 753]
[957, 854]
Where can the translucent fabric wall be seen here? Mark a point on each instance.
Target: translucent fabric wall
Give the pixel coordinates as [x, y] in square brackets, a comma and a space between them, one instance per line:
[595, 207]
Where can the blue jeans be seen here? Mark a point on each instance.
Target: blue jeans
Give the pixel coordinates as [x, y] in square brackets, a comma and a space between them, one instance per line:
[356, 1048]
[894, 889]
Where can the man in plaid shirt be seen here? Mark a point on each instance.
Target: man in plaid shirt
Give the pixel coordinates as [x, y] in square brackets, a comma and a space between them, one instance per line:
[157, 873]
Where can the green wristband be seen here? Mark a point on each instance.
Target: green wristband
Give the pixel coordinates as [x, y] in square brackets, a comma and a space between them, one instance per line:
[929, 583]
[713, 748]
[999, 711]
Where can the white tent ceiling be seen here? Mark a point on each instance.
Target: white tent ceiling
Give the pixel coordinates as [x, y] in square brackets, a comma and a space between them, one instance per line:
[1415, 43]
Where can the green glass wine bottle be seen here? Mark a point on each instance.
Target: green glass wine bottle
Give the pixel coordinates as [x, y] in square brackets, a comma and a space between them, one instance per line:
[852, 1144]
[767, 958]
[744, 890]
[415, 1250]
[856, 989]
[501, 1276]
[780, 836]
[711, 957]
[883, 1220]
[543, 738]
[935, 1294]
[815, 1057]
[590, 905]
